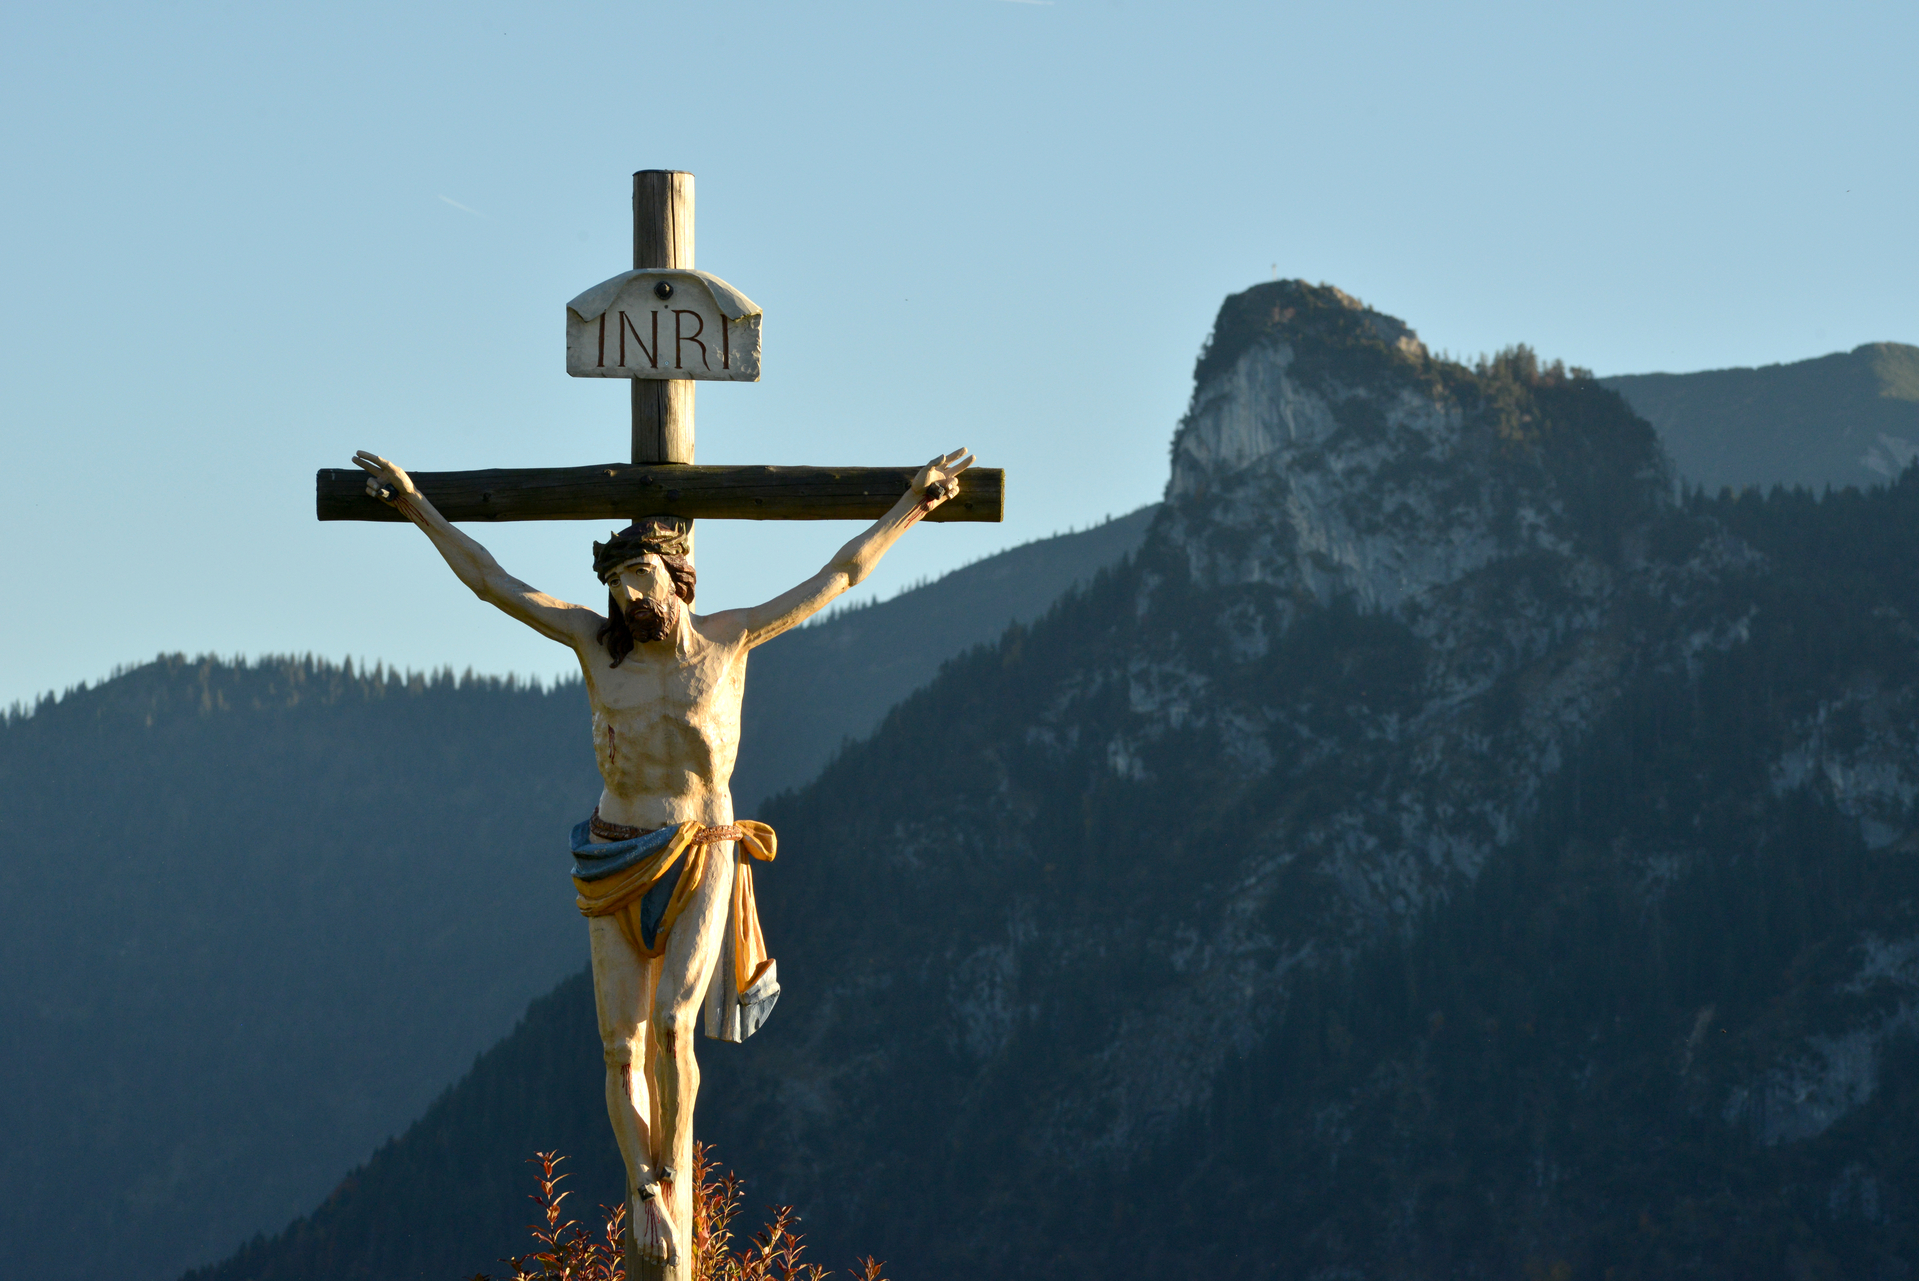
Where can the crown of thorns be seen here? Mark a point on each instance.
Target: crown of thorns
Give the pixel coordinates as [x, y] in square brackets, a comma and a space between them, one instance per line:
[658, 535]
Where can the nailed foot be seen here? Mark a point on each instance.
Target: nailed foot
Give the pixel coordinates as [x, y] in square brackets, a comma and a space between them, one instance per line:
[652, 1229]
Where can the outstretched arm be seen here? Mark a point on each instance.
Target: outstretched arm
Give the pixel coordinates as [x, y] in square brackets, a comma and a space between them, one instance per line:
[573, 625]
[935, 483]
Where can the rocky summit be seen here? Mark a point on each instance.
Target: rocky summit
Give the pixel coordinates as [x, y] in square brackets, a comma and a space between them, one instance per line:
[1439, 851]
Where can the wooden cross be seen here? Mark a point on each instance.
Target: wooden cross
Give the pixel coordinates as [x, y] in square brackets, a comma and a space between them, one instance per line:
[663, 326]
[662, 479]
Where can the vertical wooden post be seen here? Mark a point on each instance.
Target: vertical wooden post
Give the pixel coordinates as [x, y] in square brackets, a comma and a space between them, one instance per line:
[662, 237]
[663, 433]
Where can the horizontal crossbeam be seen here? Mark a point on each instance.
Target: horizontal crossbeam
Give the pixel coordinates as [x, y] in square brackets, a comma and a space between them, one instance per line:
[623, 491]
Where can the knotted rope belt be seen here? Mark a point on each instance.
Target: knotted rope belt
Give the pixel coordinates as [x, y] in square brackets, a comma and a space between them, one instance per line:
[621, 832]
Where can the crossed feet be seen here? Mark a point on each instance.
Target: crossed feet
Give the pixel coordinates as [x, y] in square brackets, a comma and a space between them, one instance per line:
[652, 1227]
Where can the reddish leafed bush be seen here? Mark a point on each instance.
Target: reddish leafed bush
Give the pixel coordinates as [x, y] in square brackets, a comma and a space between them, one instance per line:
[568, 1252]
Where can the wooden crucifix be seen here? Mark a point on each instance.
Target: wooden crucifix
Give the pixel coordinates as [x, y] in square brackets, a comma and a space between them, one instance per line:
[663, 868]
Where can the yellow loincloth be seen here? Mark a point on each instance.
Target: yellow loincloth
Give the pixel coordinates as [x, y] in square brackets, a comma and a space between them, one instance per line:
[744, 990]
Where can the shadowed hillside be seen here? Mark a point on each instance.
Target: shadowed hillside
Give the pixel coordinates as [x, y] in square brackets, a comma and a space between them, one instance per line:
[241, 944]
[818, 686]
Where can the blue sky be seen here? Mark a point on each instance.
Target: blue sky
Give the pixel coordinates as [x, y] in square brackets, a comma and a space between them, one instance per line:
[240, 241]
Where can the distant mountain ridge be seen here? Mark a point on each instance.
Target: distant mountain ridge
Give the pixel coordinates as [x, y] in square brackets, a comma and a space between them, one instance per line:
[252, 918]
[1437, 853]
[1851, 418]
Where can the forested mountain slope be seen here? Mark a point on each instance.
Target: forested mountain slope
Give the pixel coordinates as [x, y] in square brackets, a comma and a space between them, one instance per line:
[813, 689]
[1851, 418]
[254, 917]
[1435, 854]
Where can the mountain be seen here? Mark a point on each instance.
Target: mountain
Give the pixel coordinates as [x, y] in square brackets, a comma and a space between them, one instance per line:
[1851, 418]
[1437, 852]
[255, 916]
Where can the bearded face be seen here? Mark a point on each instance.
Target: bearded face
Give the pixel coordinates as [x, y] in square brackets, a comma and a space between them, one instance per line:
[652, 619]
[645, 597]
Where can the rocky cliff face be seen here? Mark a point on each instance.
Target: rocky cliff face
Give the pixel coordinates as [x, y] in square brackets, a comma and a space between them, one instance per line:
[1436, 853]
[1330, 457]
[1358, 544]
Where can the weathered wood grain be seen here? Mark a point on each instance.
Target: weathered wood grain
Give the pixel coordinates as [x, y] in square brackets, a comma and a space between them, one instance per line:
[662, 237]
[623, 491]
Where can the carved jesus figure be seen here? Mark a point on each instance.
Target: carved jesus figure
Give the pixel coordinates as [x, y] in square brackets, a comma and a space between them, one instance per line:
[660, 865]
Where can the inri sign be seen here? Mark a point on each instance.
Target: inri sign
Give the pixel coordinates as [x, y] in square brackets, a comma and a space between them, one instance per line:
[663, 322]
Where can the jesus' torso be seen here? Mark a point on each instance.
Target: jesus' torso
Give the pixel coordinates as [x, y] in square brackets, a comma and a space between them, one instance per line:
[666, 726]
